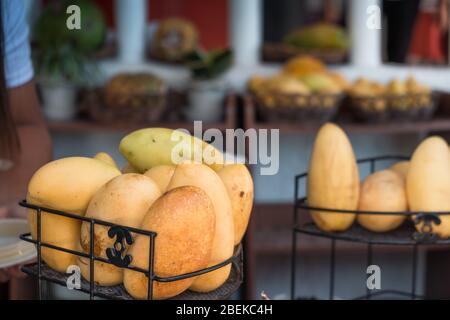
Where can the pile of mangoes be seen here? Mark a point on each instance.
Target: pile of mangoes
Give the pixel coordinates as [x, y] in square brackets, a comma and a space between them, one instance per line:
[397, 95]
[302, 78]
[419, 185]
[199, 211]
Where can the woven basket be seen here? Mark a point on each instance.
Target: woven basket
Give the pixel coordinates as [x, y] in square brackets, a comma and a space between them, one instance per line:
[316, 108]
[409, 107]
[124, 108]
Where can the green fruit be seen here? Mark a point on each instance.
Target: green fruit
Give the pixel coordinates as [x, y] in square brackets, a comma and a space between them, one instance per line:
[319, 36]
[319, 82]
[151, 147]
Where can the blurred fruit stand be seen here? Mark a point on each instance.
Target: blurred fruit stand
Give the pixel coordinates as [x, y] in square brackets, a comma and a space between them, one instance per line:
[384, 108]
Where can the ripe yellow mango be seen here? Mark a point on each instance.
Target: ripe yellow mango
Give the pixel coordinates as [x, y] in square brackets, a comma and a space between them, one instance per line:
[428, 181]
[333, 179]
[68, 185]
[203, 177]
[123, 200]
[184, 221]
[239, 184]
[106, 158]
[382, 191]
[401, 167]
[161, 175]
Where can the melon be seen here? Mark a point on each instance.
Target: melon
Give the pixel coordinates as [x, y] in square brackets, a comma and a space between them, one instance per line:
[333, 179]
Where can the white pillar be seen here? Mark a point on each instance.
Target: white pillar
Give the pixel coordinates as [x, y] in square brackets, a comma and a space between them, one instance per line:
[365, 32]
[131, 22]
[246, 30]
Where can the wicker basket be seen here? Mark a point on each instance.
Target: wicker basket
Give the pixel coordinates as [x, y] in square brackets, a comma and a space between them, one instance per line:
[316, 108]
[409, 107]
[124, 108]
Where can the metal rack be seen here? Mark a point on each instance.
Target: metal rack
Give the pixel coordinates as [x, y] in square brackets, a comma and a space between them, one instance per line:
[405, 235]
[117, 256]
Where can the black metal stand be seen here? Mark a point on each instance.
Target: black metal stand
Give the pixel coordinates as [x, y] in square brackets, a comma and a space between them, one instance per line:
[117, 256]
[405, 235]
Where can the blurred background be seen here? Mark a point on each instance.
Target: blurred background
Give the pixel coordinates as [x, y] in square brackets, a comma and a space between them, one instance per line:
[142, 63]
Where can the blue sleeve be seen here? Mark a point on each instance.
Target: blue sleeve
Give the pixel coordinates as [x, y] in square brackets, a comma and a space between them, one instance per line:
[17, 54]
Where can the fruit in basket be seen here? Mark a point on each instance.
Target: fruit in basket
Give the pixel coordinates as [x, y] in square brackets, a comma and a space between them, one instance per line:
[106, 158]
[333, 179]
[161, 175]
[129, 90]
[321, 83]
[428, 182]
[128, 168]
[283, 84]
[184, 221]
[199, 175]
[401, 167]
[239, 184]
[363, 87]
[124, 200]
[382, 191]
[151, 147]
[302, 65]
[368, 95]
[325, 36]
[174, 39]
[414, 87]
[396, 87]
[68, 185]
[339, 80]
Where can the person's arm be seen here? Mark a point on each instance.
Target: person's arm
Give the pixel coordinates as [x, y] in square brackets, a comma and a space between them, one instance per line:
[443, 15]
[35, 143]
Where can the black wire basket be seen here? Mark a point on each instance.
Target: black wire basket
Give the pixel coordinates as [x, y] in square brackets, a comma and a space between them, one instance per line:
[118, 257]
[405, 235]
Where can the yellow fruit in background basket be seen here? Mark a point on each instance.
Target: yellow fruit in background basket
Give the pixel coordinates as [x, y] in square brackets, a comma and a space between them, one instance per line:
[302, 65]
[161, 175]
[67, 185]
[151, 147]
[382, 191]
[333, 179]
[201, 176]
[339, 80]
[401, 167]
[124, 200]
[239, 184]
[428, 182]
[256, 83]
[414, 87]
[321, 83]
[283, 84]
[106, 158]
[363, 87]
[396, 87]
[184, 221]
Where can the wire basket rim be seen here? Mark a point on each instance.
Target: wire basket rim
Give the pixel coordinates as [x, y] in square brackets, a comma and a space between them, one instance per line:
[151, 234]
[301, 202]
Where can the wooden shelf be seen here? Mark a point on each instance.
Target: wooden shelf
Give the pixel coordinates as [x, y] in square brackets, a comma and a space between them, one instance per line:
[89, 126]
[441, 122]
